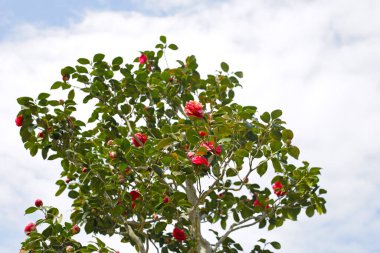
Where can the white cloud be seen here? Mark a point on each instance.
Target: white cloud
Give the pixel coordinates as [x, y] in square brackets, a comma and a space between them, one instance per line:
[316, 60]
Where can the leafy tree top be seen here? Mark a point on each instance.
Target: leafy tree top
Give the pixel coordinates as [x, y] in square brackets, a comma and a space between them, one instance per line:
[163, 151]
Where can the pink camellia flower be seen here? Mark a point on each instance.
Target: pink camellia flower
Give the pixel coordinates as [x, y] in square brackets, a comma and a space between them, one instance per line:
[134, 194]
[202, 133]
[112, 155]
[110, 143]
[166, 199]
[38, 203]
[218, 150]
[142, 137]
[190, 154]
[208, 145]
[75, 229]
[19, 120]
[142, 59]
[70, 249]
[29, 228]
[179, 234]
[199, 160]
[194, 108]
[278, 189]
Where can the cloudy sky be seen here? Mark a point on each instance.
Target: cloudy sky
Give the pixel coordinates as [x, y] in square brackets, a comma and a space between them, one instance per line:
[319, 61]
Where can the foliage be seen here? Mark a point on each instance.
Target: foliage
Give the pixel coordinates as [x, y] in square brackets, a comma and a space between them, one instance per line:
[163, 149]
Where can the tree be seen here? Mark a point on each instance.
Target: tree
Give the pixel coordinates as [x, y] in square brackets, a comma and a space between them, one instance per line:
[163, 151]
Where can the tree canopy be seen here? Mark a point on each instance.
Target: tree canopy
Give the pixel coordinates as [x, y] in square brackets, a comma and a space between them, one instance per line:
[163, 151]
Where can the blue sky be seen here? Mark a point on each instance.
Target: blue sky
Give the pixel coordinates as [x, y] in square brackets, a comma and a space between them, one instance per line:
[317, 60]
[42, 13]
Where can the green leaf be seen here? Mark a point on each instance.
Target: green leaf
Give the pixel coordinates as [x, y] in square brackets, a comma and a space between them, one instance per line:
[287, 134]
[33, 150]
[98, 57]
[231, 173]
[56, 85]
[73, 194]
[67, 70]
[235, 215]
[276, 114]
[262, 168]
[31, 209]
[160, 226]
[262, 224]
[45, 151]
[164, 143]
[117, 61]
[224, 66]
[43, 95]
[294, 151]
[81, 69]
[310, 211]
[223, 223]
[276, 245]
[262, 240]
[71, 95]
[239, 74]
[265, 117]
[24, 100]
[276, 165]
[163, 39]
[89, 227]
[60, 190]
[192, 136]
[83, 61]
[47, 232]
[173, 47]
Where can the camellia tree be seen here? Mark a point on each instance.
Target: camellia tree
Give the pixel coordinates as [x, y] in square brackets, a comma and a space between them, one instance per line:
[163, 151]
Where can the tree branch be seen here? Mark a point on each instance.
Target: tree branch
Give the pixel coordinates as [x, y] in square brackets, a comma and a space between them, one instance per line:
[136, 239]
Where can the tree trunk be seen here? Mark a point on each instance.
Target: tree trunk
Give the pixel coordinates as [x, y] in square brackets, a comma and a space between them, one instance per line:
[202, 245]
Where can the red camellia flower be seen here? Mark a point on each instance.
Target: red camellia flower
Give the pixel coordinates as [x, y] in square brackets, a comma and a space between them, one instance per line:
[84, 169]
[41, 135]
[29, 228]
[202, 133]
[75, 229]
[257, 203]
[218, 150]
[199, 160]
[142, 59]
[179, 234]
[194, 108]
[208, 145]
[278, 189]
[142, 137]
[19, 120]
[166, 199]
[38, 203]
[134, 194]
